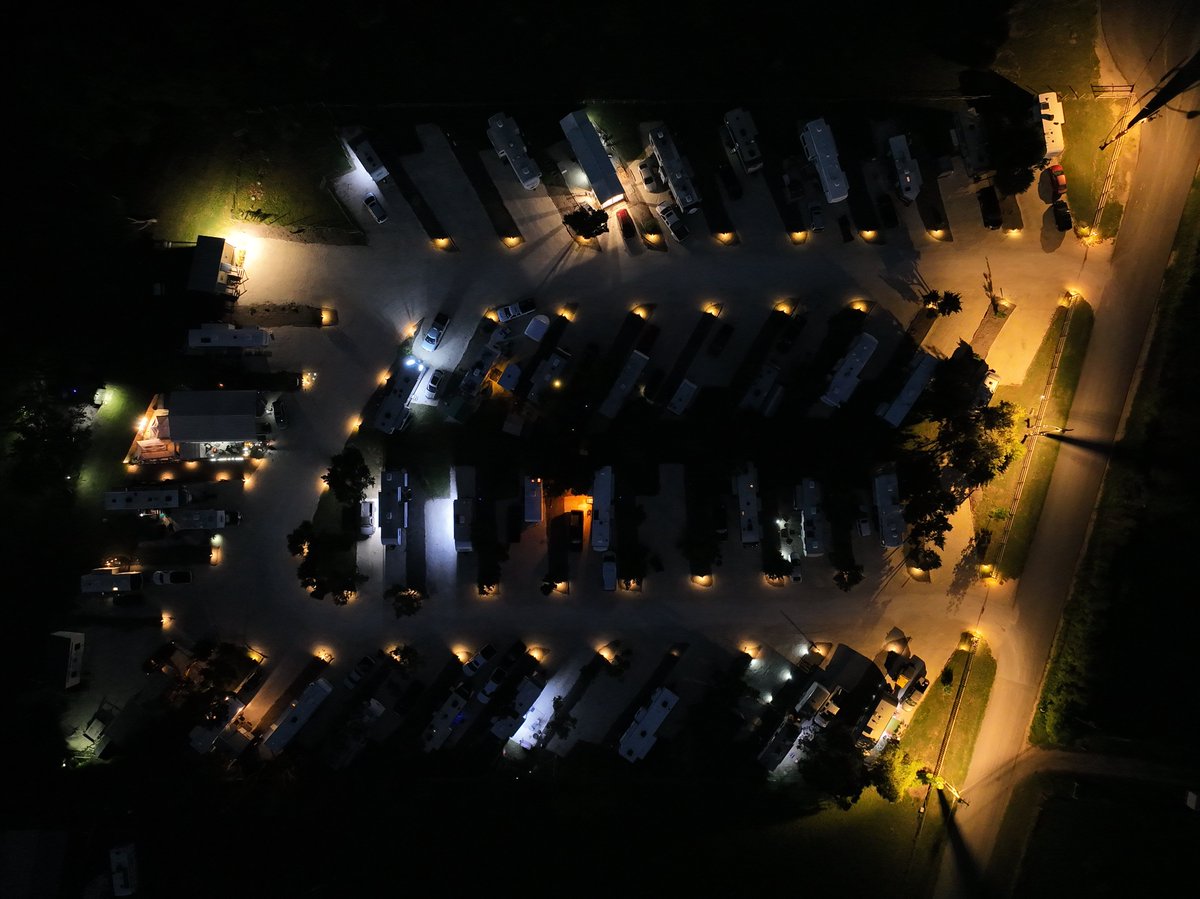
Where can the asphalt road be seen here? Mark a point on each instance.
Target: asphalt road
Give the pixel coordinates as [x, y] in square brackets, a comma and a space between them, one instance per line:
[1166, 165]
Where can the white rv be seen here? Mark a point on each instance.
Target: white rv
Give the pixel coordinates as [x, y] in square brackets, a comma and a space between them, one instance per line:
[744, 137]
[821, 151]
[602, 509]
[509, 145]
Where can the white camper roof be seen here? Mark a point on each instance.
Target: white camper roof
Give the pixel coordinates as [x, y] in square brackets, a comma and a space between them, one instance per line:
[821, 150]
[845, 379]
[593, 158]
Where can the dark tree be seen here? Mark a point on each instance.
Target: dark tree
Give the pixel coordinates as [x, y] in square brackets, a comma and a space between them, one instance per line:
[407, 658]
[587, 222]
[405, 602]
[834, 765]
[949, 303]
[299, 539]
[348, 476]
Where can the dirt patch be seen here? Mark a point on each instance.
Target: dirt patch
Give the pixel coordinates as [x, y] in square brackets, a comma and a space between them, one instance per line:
[276, 315]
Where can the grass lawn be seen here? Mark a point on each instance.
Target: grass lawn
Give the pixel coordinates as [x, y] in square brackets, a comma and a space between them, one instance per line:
[992, 504]
[1132, 835]
[1062, 58]
[271, 172]
[1088, 123]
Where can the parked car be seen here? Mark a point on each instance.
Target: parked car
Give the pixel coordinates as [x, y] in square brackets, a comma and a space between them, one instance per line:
[628, 228]
[516, 310]
[989, 208]
[375, 208]
[435, 383]
[1058, 180]
[576, 528]
[816, 217]
[366, 517]
[537, 327]
[279, 414]
[608, 572]
[172, 577]
[436, 331]
[651, 175]
[493, 684]
[1062, 215]
[673, 219]
[478, 660]
[363, 667]
[729, 179]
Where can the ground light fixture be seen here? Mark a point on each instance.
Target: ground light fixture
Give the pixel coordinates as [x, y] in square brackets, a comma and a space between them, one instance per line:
[513, 241]
[798, 237]
[443, 243]
[702, 580]
[937, 233]
[713, 309]
[726, 238]
[869, 235]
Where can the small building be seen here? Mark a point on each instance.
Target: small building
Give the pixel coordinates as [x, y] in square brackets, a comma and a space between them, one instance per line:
[674, 170]
[921, 371]
[222, 335]
[908, 173]
[509, 145]
[1050, 110]
[640, 737]
[845, 378]
[745, 485]
[602, 509]
[593, 158]
[821, 150]
[65, 658]
[186, 425]
[217, 266]
[293, 720]
[886, 488]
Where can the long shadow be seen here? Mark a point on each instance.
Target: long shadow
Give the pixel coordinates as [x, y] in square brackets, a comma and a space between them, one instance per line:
[1104, 447]
[969, 873]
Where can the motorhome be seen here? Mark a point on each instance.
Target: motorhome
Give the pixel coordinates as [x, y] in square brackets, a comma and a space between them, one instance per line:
[393, 411]
[845, 378]
[463, 491]
[744, 137]
[294, 718]
[821, 150]
[745, 485]
[144, 500]
[110, 580]
[674, 170]
[509, 145]
[624, 385]
[602, 508]
[533, 500]
[639, 738]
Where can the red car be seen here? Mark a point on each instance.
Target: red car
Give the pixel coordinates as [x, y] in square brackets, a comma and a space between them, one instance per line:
[628, 228]
[1058, 180]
